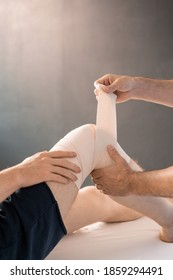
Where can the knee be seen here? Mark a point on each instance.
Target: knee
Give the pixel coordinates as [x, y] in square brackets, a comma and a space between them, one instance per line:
[90, 128]
[90, 131]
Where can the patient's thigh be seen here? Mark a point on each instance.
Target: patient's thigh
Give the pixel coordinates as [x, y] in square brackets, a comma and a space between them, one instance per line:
[81, 141]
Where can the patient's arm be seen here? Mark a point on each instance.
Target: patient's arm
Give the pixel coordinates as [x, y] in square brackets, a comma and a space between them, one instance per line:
[8, 182]
[44, 166]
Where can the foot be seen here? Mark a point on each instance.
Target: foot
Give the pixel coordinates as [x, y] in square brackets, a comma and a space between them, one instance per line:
[166, 234]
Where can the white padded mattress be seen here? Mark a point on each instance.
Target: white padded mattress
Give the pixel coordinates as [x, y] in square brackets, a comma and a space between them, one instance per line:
[138, 239]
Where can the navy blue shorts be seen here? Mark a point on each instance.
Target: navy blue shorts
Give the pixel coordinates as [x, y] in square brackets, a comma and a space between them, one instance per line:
[30, 224]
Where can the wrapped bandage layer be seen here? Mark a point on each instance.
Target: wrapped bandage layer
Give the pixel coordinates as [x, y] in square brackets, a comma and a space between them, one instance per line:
[90, 141]
[81, 141]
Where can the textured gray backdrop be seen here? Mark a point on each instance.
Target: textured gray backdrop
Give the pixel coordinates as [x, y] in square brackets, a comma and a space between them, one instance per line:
[51, 51]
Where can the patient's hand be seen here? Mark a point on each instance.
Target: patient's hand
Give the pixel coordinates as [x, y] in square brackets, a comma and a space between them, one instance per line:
[47, 166]
[117, 179]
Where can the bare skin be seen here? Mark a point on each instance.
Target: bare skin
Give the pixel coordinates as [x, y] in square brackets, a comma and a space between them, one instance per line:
[44, 166]
[91, 206]
[120, 180]
[138, 88]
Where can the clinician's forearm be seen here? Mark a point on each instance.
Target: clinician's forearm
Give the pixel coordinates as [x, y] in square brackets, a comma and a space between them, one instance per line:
[154, 183]
[9, 182]
[153, 90]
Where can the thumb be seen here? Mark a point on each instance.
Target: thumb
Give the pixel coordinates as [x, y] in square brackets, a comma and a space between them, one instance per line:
[110, 88]
[121, 84]
[113, 153]
[113, 87]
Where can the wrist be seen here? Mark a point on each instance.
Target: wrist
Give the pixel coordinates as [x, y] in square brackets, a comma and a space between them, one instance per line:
[131, 185]
[151, 90]
[14, 175]
[19, 176]
[8, 182]
[135, 183]
[140, 87]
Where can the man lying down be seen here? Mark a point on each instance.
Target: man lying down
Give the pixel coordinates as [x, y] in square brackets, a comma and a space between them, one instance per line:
[42, 200]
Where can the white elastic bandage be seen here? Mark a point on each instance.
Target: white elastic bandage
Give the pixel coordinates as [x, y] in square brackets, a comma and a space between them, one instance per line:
[90, 141]
[82, 141]
[106, 128]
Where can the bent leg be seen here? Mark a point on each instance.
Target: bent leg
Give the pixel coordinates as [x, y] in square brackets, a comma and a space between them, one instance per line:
[91, 206]
[30, 220]
[87, 206]
[81, 141]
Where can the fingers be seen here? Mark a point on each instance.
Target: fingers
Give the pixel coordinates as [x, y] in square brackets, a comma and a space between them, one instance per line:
[58, 178]
[113, 153]
[122, 85]
[64, 173]
[106, 79]
[57, 167]
[108, 83]
[106, 88]
[58, 160]
[61, 154]
[65, 164]
[97, 173]
[101, 189]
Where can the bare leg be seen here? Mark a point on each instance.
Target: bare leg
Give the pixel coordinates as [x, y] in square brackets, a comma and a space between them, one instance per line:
[157, 208]
[91, 206]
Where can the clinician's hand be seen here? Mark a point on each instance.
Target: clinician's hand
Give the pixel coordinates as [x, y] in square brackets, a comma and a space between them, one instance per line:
[47, 166]
[117, 179]
[123, 86]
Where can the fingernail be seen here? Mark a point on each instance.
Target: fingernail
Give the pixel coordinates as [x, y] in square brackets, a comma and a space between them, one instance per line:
[106, 89]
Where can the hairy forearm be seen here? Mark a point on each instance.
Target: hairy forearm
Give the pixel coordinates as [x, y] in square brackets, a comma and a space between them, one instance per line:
[152, 90]
[153, 183]
[9, 182]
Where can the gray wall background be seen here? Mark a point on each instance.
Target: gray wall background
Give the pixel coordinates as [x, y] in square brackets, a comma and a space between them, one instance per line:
[51, 51]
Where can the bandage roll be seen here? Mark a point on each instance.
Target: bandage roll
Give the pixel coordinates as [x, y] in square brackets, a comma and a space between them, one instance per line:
[106, 128]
